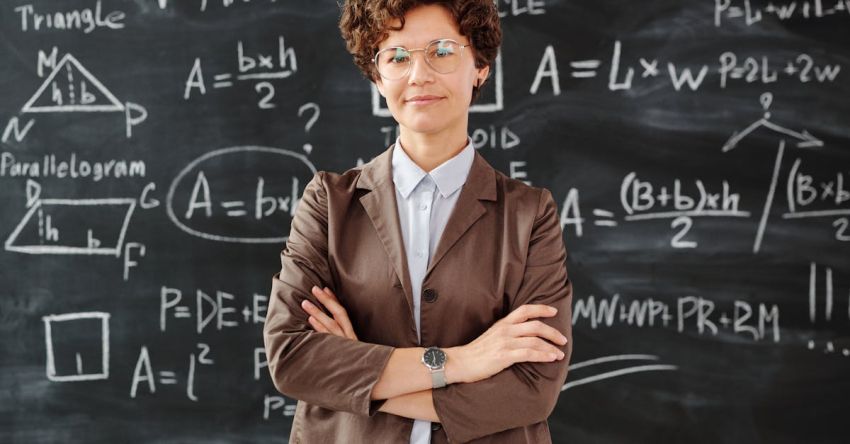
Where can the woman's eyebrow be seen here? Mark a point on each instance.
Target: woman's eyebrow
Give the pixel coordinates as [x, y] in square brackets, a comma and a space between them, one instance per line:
[397, 44]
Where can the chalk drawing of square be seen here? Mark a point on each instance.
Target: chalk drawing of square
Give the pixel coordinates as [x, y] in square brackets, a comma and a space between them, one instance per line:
[496, 104]
[78, 319]
[26, 237]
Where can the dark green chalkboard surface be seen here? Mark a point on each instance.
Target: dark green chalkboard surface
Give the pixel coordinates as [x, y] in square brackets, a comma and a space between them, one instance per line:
[154, 151]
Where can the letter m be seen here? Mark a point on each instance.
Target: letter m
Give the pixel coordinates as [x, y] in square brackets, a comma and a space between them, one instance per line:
[48, 61]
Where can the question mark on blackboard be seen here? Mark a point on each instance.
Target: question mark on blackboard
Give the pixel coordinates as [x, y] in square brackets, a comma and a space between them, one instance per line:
[766, 99]
[309, 106]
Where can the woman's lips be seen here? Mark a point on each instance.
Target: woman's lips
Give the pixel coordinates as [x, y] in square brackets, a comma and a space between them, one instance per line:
[424, 100]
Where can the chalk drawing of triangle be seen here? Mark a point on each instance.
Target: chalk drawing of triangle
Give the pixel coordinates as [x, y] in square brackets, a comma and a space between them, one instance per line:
[71, 88]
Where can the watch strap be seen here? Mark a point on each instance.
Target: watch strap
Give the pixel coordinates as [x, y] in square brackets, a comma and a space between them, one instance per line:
[438, 378]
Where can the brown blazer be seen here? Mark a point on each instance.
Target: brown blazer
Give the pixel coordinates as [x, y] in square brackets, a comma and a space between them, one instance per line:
[501, 248]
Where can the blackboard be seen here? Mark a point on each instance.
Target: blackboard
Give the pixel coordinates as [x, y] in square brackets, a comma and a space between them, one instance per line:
[153, 153]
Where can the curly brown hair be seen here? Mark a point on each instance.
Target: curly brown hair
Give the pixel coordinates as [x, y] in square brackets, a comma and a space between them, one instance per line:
[364, 24]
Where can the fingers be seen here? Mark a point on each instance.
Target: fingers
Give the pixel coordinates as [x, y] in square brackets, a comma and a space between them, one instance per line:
[531, 344]
[339, 325]
[528, 311]
[317, 325]
[532, 355]
[321, 317]
[538, 328]
[328, 299]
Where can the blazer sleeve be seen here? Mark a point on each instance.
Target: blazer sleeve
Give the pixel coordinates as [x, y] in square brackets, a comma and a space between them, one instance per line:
[318, 368]
[524, 393]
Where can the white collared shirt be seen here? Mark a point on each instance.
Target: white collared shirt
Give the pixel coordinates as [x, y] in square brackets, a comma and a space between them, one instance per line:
[425, 202]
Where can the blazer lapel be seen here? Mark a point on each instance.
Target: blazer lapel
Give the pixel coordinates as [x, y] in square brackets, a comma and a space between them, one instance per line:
[480, 185]
[380, 204]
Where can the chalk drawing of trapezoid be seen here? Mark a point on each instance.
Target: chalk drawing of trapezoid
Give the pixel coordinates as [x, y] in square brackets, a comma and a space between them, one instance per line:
[71, 88]
[73, 226]
[481, 106]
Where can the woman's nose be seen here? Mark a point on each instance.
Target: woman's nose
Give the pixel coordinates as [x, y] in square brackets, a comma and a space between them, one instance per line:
[420, 71]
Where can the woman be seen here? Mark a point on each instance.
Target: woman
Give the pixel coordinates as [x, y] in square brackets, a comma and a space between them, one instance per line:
[448, 303]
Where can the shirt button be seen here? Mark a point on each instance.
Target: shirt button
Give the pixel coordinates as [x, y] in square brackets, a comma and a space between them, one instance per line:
[423, 206]
[435, 426]
[419, 253]
[429, 295]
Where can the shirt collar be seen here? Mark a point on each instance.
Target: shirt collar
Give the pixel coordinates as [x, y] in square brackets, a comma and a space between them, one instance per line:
[449, 175]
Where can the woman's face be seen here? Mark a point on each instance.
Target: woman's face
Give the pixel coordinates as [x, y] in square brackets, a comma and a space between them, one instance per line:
[449, 109]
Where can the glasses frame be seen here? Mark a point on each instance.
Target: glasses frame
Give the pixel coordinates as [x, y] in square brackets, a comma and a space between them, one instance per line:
[410, 62]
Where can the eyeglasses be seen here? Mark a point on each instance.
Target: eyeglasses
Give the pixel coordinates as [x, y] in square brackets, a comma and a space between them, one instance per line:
[442, 55]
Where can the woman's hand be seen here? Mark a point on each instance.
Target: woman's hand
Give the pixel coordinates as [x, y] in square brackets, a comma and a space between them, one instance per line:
[339, 325]
[510, 340]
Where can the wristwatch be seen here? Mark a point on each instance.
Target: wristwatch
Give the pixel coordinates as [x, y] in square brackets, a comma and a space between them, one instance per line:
[435, 359]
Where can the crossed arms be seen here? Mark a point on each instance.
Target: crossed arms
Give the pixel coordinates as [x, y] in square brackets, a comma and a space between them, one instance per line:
[507, 371]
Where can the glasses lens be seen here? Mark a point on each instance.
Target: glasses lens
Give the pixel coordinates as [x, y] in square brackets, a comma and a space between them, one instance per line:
[393, 62]
[443, 55]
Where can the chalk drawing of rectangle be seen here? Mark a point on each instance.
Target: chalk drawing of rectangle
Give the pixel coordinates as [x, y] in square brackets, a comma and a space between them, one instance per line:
[496, 105]
[67, 249]
[70, 317]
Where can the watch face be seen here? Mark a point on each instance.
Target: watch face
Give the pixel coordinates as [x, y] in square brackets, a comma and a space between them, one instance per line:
[434, 357]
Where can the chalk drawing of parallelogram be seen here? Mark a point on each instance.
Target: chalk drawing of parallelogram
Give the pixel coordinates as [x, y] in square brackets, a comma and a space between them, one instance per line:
[73, 226]
[71, 340]
[70, 87]
[496, 104]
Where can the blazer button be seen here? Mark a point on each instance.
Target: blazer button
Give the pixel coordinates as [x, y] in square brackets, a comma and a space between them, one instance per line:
[429, 295]
[436, 426]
